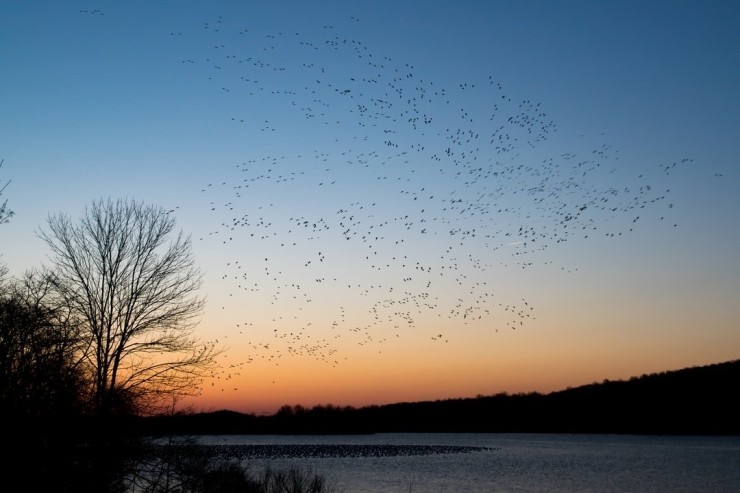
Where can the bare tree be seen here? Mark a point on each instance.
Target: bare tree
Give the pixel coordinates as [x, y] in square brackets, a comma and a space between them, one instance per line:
[133, 284]
[5, 212]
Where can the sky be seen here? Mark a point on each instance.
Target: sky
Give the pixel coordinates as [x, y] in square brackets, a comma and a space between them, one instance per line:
[400, 201]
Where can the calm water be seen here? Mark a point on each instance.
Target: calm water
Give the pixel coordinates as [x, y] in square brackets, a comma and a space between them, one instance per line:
[512, 462]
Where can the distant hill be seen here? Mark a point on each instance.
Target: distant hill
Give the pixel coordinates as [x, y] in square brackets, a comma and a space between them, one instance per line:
[696, 400]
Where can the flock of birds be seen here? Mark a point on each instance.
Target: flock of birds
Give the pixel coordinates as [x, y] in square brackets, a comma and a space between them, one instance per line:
[393, 206]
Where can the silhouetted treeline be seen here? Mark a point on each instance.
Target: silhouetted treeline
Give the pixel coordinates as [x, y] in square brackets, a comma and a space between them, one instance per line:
[698, 400]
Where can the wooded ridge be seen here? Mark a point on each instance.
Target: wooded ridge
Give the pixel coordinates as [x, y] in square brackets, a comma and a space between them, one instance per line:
[696, 400]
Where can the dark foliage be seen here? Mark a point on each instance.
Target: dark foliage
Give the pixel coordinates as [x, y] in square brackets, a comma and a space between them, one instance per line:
[37, 373]
[696, 400]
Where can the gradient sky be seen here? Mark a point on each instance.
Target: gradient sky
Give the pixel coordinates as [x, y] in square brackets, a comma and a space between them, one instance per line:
[400, 201]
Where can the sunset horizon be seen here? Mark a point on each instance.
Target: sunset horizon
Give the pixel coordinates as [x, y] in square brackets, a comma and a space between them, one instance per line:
[399, 201]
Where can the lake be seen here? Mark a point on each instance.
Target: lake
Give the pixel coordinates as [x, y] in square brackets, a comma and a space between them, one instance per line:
[430, 463]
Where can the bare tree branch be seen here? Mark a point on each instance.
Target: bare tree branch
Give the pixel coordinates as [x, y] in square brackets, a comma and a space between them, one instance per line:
[133, 282]
[5, 212]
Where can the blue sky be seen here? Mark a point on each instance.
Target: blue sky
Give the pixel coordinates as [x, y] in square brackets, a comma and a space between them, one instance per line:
[321, 154]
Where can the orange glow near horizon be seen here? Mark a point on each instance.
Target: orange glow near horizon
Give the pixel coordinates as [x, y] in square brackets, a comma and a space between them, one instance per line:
[579, 336]
[540, 359]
